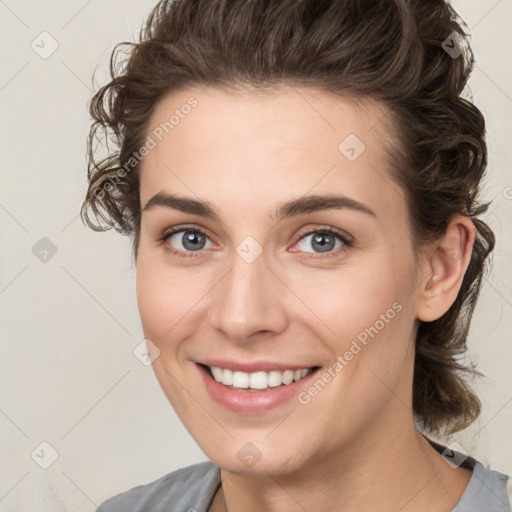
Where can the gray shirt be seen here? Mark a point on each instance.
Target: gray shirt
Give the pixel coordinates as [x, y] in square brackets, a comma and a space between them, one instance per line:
[192, 488]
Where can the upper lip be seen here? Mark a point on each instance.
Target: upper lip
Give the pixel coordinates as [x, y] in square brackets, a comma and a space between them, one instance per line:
[251, 367]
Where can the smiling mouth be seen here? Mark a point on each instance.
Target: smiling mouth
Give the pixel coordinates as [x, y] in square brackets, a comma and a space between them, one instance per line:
[257, 381]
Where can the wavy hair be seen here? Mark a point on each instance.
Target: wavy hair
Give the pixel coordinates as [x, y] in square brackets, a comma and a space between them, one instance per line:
[412, 56]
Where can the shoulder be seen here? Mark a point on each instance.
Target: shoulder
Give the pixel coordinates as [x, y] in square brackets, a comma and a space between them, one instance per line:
[187, 489]
[488, 490]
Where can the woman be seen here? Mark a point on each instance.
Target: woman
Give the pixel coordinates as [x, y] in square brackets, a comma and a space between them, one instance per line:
[300, 179]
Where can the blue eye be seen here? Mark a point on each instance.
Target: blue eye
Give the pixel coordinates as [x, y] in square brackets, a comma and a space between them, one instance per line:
[323, 241]
[189, 239]
[186, 242]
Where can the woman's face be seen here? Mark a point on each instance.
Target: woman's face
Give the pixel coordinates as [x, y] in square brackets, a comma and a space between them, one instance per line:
[252, 284]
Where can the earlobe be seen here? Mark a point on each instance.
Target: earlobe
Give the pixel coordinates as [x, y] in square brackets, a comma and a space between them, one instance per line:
[444, 269]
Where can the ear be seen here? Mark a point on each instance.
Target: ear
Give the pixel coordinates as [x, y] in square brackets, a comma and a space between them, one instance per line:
[443, 269]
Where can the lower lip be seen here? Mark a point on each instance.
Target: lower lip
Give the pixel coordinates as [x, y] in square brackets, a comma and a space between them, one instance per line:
[254, 402]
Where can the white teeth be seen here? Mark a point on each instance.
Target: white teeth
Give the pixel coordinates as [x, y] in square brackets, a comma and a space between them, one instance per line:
[257, 380]
[240, 379]
[217, 373]
[227, 377]
[274, 378]
[288, 376]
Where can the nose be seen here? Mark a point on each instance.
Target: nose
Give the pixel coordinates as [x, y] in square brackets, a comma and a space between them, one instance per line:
[248, 301]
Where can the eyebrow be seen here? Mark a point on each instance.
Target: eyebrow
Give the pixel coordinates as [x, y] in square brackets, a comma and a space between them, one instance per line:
[302, 205]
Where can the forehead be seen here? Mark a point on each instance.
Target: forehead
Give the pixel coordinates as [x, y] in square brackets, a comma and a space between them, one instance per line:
[295, 113]
[281, 143]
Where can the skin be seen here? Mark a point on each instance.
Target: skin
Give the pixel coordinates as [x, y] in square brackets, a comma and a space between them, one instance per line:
[354, 446]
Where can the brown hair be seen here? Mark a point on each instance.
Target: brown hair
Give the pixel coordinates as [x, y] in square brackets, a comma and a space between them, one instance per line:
[412, 56]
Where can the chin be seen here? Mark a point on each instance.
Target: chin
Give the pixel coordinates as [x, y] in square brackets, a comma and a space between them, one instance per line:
[251, 460]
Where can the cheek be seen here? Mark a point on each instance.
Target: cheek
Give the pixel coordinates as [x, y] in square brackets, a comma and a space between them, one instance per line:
[164, 297]
[369, 317]
[163, 301]
[354, 299]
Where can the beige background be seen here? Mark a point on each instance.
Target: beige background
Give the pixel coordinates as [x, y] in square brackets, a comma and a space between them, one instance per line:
[69, 326]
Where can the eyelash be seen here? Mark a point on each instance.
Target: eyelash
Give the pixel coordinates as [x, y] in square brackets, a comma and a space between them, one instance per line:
[347, 244]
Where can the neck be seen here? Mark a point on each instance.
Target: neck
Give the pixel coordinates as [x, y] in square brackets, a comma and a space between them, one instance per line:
[358, 479]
